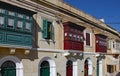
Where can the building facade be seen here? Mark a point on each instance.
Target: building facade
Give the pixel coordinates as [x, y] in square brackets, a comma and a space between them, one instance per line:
[51, 38]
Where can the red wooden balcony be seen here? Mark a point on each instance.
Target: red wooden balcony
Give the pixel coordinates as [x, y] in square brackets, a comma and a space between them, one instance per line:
[73, 36]
[101, 43]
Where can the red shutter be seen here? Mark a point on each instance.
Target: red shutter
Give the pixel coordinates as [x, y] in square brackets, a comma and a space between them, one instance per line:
[88, 39]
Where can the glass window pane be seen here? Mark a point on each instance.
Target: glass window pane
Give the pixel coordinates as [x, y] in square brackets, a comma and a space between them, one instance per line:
[28, 27]
[20, 15]
[2, 10]
[1, 21]
[27, 17]
[11, 13]
[10, 23]
[19, 24]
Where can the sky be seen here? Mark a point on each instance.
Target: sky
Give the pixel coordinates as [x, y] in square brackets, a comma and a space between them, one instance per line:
[109, 10]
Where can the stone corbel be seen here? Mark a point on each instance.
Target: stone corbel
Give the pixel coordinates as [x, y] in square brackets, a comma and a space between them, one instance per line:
[27, 52]
[12, 51]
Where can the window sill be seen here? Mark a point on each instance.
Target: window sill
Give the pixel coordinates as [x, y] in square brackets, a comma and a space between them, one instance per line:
[88, 46]
[48, 40]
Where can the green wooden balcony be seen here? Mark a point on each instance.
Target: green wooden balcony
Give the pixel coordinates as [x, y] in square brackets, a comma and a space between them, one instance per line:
[15, 26]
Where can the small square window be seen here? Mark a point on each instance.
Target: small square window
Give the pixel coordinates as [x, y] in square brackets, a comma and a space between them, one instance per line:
[10, 23]
[1, 21]
[19, 25]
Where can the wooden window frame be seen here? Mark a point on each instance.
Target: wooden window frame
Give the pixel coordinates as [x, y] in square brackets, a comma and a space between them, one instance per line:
[8, 14]
[2, 23]
[90, 39]
[10, 26]
[47, 29]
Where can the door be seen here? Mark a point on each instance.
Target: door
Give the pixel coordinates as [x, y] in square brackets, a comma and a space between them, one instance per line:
[8, 69]
[45, 69]
[97, 67]
[69, 68]
[86, 68]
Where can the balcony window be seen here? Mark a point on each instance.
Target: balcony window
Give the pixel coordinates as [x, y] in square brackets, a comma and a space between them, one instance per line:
[10, 23]
[116, 45]
[2, 10]
[19, 25]
[20, 15]
[28, 17]
[1, 21]
[11, 13]
[28, 27]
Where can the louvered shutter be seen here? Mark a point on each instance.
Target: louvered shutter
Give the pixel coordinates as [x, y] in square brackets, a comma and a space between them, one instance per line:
[45, 29]
[88, 39]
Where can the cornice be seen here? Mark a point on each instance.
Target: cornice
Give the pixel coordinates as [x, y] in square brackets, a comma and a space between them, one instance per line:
[84, 17]
[35, 7]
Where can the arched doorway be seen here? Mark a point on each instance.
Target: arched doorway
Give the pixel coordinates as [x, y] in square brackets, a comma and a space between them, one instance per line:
[12, 61]
[45, 69]
[47, 65]
[88, 67]
[69, 68]
[99, 67]
[8, 68]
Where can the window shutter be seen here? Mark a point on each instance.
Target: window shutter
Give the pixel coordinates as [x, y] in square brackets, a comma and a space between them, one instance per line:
[88, 39]
[52, 32]
[45, 29]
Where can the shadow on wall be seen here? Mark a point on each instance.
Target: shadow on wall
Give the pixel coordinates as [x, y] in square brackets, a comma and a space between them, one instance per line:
[36, 29]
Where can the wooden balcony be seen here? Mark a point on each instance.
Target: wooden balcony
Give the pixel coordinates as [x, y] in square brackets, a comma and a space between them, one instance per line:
[73, 36]
[101, 43]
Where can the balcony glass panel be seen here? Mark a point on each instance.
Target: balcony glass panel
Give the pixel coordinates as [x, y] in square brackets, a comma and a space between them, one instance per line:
[1, 21]
[2, 10]
[19, 25]
[10, 23]
[20, 15]
[28, 27]
[11, 13]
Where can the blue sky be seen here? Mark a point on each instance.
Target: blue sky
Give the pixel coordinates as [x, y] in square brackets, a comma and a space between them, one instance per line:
[107, 9]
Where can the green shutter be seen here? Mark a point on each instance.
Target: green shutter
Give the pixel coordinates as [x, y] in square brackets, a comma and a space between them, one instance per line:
[45, 29]
[48, 30]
